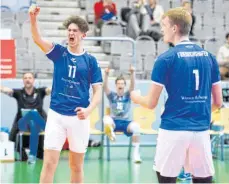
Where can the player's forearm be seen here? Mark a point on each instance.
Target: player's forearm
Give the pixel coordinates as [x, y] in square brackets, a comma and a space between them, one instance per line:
[214, 107]
[146, 102]
[35, 32]
[105, 83]
[6, 90]
[132, 81]
[44, 45]
[217, 99]
[96, 99]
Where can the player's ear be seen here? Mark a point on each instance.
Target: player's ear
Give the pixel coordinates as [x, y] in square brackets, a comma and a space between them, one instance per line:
[84, 35]
[175, 28]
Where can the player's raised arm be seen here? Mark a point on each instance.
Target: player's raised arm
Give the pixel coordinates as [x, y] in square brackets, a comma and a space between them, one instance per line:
[6, 90]
[45, 46]
[132, 78]
[105, 84]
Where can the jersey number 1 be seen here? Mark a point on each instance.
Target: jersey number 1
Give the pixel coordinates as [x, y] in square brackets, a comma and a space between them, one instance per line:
[197, 78]
[72, 71]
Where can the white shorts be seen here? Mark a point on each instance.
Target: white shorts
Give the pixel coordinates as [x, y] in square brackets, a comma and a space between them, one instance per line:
[59, 127]
[177, 149]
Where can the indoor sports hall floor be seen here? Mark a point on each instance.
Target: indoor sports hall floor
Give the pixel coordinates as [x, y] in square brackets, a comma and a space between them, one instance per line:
[118, 170]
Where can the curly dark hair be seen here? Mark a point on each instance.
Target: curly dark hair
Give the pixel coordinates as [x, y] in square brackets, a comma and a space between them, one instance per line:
[120, 78]
[80, 22]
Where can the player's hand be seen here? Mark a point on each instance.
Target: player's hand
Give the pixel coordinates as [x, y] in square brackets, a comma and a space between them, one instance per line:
[82, 113]
[34, 10]
[107, 71]
[135, 96]
[132, 69]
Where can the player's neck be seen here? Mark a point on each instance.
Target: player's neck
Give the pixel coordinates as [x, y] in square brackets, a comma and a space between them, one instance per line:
[29, 91]
[120, 93]
[179, 39]
[76, 50]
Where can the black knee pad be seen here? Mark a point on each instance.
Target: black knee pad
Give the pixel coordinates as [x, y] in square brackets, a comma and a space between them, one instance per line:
[202, 180]
[163, 179]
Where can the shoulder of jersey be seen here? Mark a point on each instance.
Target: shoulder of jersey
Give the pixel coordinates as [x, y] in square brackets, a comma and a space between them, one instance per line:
[91, 56]
[167, 54]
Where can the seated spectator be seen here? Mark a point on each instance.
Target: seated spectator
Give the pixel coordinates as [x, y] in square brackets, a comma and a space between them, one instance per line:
[138, 19]
[30, 103]
[155, 12]
[144, 19]
[223, 59]
[119, 118]
[104, 10]
[188, 6]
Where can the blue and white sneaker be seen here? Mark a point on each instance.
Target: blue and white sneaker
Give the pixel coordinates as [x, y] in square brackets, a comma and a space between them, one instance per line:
[31, 159]
[185, 177]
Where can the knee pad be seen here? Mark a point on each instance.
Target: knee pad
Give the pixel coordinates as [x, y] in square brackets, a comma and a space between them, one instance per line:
[135, 128]
[163, 179]
[108, 120]
[202, 180]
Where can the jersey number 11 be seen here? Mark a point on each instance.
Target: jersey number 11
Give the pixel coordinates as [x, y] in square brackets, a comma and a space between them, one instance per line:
[72, 71]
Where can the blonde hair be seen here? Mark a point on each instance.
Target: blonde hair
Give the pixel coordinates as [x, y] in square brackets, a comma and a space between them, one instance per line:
[180, 17]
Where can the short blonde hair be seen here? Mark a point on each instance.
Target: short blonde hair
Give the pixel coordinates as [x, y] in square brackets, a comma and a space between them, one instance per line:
[180, 17]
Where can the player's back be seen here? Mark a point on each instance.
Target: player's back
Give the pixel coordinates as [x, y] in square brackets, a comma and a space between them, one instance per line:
[189, 77]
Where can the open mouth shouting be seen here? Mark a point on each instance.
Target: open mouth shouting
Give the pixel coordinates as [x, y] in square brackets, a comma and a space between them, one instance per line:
[71, 39]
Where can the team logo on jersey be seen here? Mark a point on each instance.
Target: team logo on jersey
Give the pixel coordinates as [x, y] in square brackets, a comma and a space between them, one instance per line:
[35, 95]
[73, 60]
[189, 46]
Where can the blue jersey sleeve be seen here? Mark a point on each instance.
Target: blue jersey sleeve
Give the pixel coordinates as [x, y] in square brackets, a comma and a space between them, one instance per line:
[56, 52]
[215, 71]
[159, 73]
[96, 74]
[127, 94]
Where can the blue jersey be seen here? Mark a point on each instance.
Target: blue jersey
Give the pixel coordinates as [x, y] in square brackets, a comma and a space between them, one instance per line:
[72, 77]
[120, 106]
[188, 73]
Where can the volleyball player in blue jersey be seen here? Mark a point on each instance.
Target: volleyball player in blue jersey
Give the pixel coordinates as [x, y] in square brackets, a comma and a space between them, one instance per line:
[190, 76]
[74, 71]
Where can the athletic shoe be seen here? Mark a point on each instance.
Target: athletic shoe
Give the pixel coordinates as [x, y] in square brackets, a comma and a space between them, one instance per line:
[31, 159]
[108, 130]
[93, 143]
[184, 177]
[137, 158]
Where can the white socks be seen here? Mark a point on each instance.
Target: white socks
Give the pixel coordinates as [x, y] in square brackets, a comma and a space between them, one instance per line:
[136, 148]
